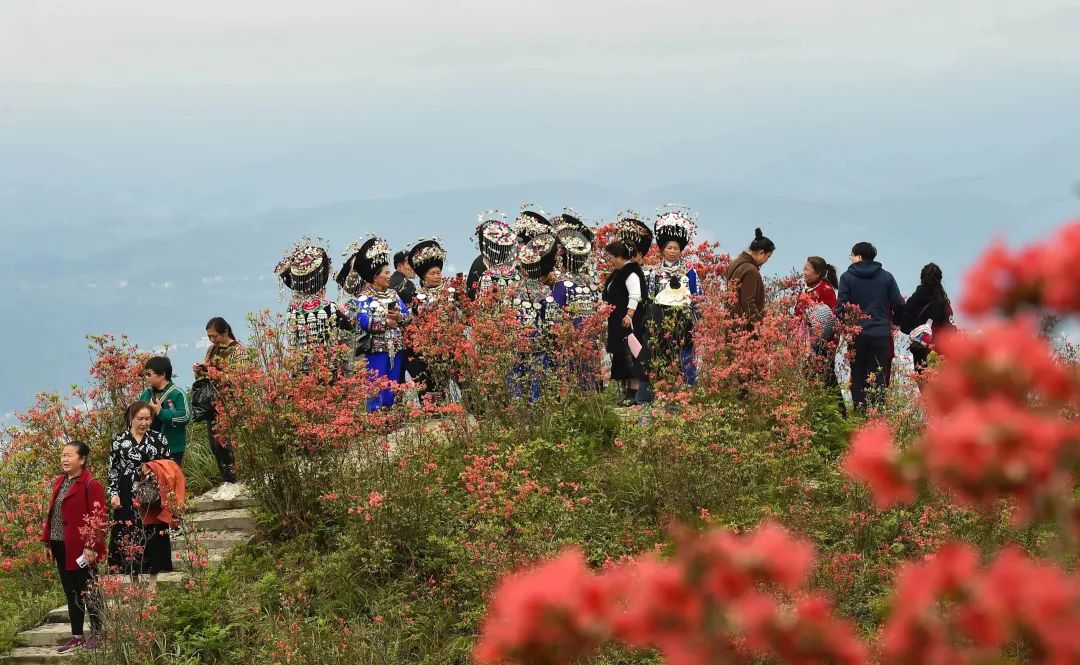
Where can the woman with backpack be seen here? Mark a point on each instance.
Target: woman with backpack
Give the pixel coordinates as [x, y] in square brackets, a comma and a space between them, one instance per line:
[74, 537]
[927, 314]
[224, 349]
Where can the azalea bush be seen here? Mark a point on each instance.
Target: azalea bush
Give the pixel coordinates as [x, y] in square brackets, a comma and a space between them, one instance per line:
[742, 519]
[999, 439]
[297, 421]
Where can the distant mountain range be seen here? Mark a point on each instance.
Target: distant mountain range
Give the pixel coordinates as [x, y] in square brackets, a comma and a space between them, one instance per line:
[87, 263]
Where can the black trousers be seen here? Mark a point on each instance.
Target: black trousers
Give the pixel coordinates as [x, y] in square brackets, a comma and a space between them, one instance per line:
[223, 455]
[921, 358]
[81, 599]
[873, 355]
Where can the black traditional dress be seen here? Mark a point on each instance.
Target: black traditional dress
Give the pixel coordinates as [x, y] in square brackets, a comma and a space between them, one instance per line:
[617, 294]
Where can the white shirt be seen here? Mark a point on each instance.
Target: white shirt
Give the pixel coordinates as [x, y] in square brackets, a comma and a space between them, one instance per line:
[633, 289]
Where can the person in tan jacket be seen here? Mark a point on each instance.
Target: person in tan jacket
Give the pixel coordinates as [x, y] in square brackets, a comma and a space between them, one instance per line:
[744, 277]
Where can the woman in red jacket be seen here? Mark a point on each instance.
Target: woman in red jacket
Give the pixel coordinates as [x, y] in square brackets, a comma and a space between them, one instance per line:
[74, 536]
[818, 308]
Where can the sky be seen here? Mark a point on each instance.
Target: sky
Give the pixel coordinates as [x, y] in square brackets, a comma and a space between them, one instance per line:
[130, 131]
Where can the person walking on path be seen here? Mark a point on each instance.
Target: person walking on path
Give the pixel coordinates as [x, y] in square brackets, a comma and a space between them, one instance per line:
[74, 537]
[929, 304]
[874, 291]
[169, 404]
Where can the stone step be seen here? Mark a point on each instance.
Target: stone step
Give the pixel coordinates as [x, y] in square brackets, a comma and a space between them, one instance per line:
[206, 505]
[236, 519]
[59, 615]
[215, 541]
[226, 497]
[170, 580]
[47, 635]
[35, 656]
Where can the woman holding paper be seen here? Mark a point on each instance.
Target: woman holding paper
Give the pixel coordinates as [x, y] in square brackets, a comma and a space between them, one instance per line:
[624, 289]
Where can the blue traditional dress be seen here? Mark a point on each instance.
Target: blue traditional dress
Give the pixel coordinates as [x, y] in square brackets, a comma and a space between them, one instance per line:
[385, 354]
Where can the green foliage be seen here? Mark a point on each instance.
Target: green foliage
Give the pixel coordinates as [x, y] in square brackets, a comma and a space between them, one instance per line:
[24, 607]
[403, 540]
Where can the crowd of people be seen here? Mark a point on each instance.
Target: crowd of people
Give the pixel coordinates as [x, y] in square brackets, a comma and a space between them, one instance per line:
[545, 270]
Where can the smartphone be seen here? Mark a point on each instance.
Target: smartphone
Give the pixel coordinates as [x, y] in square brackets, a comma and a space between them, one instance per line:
[82, 561]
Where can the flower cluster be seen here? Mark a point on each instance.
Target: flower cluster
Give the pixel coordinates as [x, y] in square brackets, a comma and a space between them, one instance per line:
[1041, 275]
[948, 610]
[994, 427]
[723, 597]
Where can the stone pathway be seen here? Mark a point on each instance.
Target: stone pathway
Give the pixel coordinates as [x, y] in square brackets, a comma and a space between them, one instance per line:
[222, 520]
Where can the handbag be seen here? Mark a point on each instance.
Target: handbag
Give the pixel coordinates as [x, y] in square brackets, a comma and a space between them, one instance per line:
[362, 342]
[147, 492]
[921, 335]
[202, 400]
[822, 321]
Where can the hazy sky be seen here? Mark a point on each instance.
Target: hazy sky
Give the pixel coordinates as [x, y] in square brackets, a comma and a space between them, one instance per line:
[404, 96]
[231, 42]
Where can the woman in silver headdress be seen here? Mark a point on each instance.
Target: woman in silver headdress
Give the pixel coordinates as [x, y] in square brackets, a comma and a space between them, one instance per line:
[672, 287]
[498, 247]
[576, 289]
[311, 318]
[380, 313]
[577, 292]
[427, 259]
[537, 312]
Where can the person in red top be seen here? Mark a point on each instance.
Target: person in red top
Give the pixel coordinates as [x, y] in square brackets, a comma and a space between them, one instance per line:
[74, 536]
[818, 309]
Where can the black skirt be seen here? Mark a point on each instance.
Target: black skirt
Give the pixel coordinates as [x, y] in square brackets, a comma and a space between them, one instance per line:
[136, 548]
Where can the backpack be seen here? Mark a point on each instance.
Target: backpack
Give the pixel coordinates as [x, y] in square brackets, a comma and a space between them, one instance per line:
[201, 400]
[922, 337]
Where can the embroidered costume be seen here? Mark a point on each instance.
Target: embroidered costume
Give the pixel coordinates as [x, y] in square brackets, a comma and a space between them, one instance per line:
[537, 312]
[578, 293]
[672, 285]
[311, 319]
[379, 313]
[425, 257]
[576, 289]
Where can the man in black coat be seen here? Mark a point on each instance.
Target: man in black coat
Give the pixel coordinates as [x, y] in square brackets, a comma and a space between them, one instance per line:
[873, 289]
[401, 280]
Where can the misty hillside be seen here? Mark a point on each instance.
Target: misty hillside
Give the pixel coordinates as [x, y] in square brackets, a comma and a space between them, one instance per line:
[81, 263]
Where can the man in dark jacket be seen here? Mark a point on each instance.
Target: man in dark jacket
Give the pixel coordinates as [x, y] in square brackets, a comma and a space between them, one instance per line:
[401, 280]
[874, 291]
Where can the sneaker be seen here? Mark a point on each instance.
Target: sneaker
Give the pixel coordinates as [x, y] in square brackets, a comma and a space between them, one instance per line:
[72, 644]
[92, 642]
